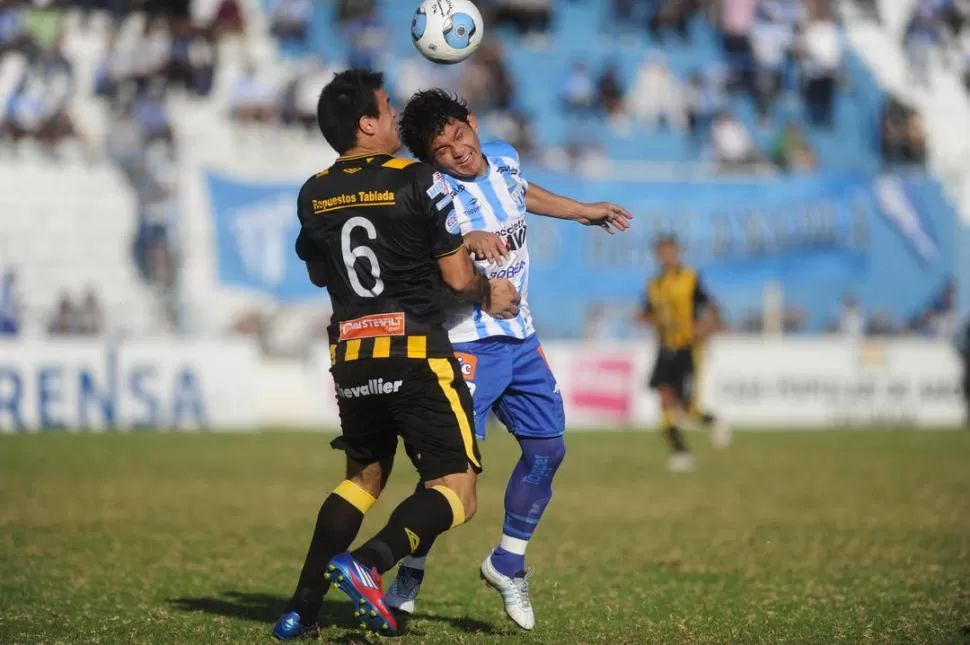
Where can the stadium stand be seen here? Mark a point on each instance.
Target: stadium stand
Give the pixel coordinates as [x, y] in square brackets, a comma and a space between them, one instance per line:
[126, 107]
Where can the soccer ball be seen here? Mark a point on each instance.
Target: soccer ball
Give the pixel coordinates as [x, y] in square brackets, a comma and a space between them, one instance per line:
[447, 31]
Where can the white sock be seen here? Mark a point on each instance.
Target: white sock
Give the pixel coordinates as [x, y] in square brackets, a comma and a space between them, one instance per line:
[513, 544]
[413, 562]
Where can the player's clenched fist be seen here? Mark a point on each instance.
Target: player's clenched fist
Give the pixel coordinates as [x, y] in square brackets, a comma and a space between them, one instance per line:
[503, 300]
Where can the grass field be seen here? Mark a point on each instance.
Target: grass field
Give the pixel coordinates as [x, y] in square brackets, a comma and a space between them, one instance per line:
[849, 537]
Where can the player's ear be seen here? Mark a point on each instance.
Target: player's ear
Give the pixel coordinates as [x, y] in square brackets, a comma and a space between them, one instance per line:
[473, 122]
[367, 125]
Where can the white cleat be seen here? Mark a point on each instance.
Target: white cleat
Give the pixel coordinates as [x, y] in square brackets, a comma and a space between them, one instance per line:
[721, 434]
[515, 594]
[403, 591]
[680, 462]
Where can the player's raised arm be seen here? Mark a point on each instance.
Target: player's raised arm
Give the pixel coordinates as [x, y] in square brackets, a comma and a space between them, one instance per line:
[608, 216]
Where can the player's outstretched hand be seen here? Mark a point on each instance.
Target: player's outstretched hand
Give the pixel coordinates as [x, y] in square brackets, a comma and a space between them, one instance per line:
[486, 246]
[503, 301]
[609, 217]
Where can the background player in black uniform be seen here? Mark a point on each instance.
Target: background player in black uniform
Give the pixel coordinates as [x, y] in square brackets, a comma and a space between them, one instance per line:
[373, 233]
[678, 306]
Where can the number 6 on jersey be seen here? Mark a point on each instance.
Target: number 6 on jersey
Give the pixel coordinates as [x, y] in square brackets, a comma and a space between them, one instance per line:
[352, 254]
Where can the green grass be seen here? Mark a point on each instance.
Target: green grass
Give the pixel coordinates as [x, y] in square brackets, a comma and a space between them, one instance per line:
[855, 537]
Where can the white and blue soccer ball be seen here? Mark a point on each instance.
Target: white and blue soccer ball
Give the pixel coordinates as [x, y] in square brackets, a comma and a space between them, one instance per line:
[447, 31]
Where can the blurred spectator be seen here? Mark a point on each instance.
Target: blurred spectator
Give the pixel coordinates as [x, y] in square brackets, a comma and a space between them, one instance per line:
[253, 98]
[671, 14]
[903, 141]
[485, 81]
[734, 149]
[149, 55]
[516, 129]
[963, 347]
[880, 325]
[290, 19]
[64, 322]
[966, 65]
[152, 117]
[528, 17]
[43, 24]
[368, 40]
[299, 105]
[793, 321]
[13, 35]
[919, 39]
[941, 319]
[228, 18]
[89, 317]
[869, 9]
[771, 42]
[821, 51]
[704, 98]
[24, 114]
[791, 152]
[191, 63]
[609, 92]
[348, 10]
[10, 305]
[852, 321]
[579, 94]
[736, 21]
[656, 97]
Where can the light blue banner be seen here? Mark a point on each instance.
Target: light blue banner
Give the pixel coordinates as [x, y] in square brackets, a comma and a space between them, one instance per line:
[887, 240]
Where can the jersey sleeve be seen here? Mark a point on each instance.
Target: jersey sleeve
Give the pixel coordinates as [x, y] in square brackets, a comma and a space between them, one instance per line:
[308, 248]
[701, 297]
[646, 307]
[435, 202]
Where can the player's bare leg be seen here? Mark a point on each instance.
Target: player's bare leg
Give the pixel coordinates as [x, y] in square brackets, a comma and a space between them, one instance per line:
[338, 523]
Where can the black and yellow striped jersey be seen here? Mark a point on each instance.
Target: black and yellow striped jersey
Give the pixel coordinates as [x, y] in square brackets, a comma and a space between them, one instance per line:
[375, 225]
[673, 301]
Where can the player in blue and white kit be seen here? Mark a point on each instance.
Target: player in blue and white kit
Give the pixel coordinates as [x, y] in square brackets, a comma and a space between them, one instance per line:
[502, 360]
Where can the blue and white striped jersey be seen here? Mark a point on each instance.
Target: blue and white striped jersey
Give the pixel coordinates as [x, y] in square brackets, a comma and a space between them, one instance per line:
[494, 203]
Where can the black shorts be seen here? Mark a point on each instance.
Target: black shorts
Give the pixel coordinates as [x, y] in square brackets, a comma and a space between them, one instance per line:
[425, 402]
[675, 368]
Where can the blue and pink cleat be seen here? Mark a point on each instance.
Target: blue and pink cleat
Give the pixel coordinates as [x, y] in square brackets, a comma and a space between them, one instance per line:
[364, 588]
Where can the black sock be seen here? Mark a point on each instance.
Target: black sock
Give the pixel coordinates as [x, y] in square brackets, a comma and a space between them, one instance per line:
[676, 439]
[418, 519]
[338, 523]
[425, 547]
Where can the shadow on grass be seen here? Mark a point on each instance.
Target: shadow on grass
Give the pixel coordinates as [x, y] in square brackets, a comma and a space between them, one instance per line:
[266, 608]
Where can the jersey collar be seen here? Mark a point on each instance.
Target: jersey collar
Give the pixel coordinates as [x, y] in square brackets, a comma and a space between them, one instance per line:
[367, 158]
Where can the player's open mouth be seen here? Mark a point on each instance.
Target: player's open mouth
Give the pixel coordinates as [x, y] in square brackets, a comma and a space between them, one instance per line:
[463, 161]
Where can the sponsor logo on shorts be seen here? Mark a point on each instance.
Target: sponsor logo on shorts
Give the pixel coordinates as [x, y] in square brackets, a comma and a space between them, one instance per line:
[373, 387]
[372, 326]
[468, 363]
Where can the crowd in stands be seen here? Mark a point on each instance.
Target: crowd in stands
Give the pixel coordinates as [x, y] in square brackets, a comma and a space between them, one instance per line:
[69, 317]
[938, 28]
[787, 57]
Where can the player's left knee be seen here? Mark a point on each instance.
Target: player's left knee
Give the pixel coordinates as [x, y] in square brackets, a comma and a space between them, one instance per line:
[544, 454]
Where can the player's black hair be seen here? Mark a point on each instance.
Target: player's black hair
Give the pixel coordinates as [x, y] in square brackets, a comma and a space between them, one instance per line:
[425, 117]
[344, 100]
[664, 240]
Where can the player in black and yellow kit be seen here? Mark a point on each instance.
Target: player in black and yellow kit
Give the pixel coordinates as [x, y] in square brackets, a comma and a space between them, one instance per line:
[373, 233]
[680, 309]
